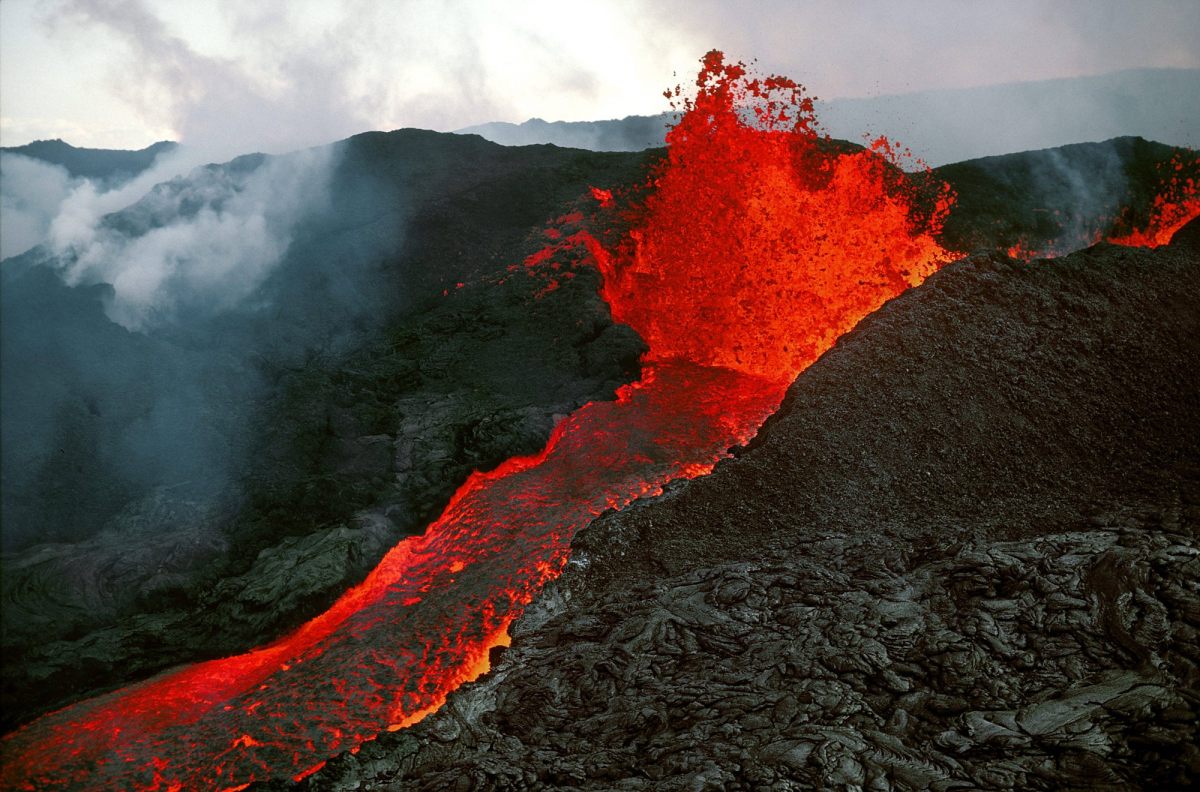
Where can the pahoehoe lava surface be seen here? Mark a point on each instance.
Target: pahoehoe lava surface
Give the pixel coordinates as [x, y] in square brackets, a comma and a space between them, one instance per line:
[963, 554]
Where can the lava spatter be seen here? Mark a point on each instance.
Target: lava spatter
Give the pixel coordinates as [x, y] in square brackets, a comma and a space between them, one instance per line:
[762, 242]
[1176, 203]
[757, 244]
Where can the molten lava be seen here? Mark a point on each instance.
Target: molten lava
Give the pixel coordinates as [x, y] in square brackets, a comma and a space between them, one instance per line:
[1176, 203]
[761, 243]
[420, 625]
[758, 244]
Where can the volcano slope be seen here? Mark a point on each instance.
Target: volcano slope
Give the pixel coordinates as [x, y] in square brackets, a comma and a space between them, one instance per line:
[962, 555]
[336, 409]
[1054, 201]
[106, 167]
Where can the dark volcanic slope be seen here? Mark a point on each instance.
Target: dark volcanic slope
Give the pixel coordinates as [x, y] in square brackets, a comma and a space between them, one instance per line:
[110, 166]
[1058, 200]
[302, 432]
[963, 555]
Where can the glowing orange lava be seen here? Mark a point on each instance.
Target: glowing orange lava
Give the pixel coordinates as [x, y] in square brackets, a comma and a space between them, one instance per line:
[1176, 202]
[371, 661]
[758, 246]
[761, 244]
[1175, 205]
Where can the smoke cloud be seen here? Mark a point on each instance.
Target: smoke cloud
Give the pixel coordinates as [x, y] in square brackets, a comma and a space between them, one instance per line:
[303, 101]
[38, 197]
[200, 243]
[278, 76]
[31, 195]
[134, 347]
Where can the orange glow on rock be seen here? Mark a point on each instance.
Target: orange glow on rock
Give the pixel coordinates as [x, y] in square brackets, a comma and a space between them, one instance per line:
[604, 197]
[1176, 202]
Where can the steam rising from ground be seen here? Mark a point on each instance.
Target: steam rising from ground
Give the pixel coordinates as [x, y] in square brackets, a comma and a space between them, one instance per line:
[31, 194]
[204, 242]
[95, 417]
[37, 195]
[1090, 192]
[204, 239]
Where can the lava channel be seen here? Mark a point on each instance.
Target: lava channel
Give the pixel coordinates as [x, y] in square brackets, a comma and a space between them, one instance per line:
[758, 244]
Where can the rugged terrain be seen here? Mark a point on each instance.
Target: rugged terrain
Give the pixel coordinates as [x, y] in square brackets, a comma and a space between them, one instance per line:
[1054, 201]
[312, 426]
[962, 555]
[392, 351]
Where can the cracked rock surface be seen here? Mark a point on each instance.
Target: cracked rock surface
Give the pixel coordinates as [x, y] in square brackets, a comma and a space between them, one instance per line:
[963, 555]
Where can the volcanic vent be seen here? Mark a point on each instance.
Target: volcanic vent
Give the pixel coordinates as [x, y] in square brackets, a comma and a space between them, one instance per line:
[754, 246]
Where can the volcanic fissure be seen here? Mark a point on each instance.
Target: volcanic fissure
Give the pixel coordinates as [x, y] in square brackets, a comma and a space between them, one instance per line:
[755, 244]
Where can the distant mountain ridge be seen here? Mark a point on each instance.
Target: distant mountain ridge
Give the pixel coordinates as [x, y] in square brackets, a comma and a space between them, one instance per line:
[103, 165]
[947, 125]
[632, 133]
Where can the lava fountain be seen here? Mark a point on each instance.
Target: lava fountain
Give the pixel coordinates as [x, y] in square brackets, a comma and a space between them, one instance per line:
[754, 246]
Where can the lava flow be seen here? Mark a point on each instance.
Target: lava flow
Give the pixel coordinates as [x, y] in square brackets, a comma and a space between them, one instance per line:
[757, 245]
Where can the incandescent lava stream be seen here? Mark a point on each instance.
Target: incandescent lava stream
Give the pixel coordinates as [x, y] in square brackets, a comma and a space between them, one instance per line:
[756, 245]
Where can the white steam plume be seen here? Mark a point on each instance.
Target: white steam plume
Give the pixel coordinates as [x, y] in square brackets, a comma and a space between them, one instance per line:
[200, 243]
[31, 194]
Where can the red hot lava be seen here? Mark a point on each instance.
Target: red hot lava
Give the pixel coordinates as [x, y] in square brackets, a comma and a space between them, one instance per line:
[757, 247]
[1176, 202]
[761, 243]
[420, 625]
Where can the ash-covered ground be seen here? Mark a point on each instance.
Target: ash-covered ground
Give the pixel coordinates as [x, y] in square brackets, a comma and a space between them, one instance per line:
[962, 555]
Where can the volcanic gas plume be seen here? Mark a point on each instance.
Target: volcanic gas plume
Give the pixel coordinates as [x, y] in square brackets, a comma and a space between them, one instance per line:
[1176, 201]
[754, 246]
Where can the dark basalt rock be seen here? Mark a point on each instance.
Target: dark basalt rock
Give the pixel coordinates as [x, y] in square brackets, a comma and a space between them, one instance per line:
[962, 555]
[350, 411]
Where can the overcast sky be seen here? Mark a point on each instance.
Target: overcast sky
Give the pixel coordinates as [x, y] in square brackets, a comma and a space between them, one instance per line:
[280, 74]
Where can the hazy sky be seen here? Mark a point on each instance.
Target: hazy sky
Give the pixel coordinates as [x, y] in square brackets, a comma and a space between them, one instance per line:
[279, 74]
